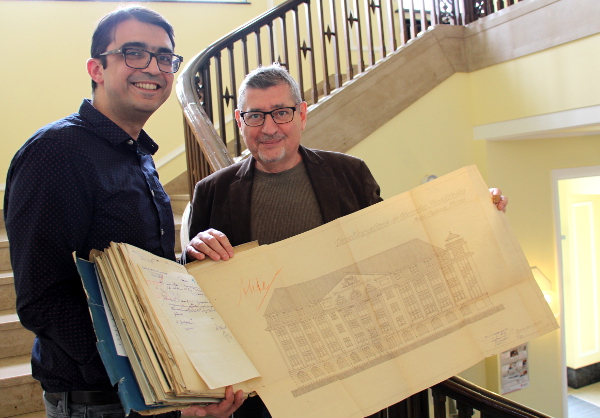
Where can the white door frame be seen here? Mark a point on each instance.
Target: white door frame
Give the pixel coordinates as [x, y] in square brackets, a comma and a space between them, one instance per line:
[564, 174]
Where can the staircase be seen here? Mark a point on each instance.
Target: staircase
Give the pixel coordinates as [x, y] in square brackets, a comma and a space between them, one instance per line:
[21, 394]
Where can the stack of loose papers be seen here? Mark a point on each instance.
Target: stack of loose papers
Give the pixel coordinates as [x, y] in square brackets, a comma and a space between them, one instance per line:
[180, 350]
[343, 320]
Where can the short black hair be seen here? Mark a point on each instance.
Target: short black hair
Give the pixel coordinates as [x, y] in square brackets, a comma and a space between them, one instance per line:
[105, 31]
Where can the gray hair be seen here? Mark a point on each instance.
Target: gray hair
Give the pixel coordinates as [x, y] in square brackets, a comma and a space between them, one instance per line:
[264, 77]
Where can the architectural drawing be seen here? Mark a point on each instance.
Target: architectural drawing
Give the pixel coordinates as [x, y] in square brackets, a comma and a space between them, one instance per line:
[349, 320]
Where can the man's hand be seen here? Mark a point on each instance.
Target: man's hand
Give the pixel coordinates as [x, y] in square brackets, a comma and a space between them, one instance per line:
[211, 243]
[499, 200]
[223, 409]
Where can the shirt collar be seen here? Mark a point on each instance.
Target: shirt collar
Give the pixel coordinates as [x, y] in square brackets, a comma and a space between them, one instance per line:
[110, 130]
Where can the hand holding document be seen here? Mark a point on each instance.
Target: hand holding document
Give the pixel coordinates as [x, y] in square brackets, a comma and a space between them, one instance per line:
[343, 320]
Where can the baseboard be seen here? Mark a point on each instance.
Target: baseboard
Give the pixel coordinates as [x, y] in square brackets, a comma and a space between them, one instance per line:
[584, 376]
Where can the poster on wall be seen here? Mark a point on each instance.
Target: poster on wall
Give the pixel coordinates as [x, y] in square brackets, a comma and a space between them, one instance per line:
[514, 370]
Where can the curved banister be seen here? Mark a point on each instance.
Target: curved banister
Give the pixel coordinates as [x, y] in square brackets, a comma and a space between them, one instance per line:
[480, 399]
[340, 29]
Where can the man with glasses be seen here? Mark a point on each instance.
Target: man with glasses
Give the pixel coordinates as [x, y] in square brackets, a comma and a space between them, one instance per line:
[80, 183]
[284, 189]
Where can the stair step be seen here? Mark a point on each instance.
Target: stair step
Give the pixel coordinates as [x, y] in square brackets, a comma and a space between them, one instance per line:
[4, 253]
[7, 291]
[177, 230]
[38, 414]
[179, 202]
[19, 392]
[14, 339]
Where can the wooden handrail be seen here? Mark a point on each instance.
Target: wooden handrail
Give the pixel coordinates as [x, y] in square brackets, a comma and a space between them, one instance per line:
[351, 36]
[470, 396]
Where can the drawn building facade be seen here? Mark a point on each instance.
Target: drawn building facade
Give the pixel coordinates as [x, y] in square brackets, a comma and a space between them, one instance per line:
[347, 321]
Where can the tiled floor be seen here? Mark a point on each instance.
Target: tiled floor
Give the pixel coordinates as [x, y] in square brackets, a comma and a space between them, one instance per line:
[585, 402]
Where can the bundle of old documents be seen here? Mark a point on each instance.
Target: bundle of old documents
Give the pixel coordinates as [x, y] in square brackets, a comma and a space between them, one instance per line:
[343, 320]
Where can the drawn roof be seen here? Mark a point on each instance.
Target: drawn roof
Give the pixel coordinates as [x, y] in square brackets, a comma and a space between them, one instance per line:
[310, 293]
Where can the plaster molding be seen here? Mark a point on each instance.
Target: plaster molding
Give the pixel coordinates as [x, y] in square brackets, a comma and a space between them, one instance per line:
[573, 122]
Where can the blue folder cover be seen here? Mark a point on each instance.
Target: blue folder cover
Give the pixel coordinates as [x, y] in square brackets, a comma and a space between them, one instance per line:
[118, 367]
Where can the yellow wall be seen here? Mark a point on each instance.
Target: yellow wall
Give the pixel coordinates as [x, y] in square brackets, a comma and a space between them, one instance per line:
[46, 44]
[559, 78]
[434, 136]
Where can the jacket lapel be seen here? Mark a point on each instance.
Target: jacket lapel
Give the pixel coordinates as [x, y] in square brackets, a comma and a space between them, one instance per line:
[324, 184]
[240, 194]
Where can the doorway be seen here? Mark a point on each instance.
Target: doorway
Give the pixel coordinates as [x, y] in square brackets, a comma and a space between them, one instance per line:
[577, 226]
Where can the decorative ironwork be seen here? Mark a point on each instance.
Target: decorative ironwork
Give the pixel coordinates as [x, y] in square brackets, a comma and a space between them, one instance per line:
[329, 33]
[227, 97]
[447, 12]
[373, 6]
[351, 19]
[285, 34]
[480, 8]
[280, 62]
[305, 49]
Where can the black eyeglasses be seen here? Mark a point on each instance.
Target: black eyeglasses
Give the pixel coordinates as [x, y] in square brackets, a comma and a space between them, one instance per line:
[140, 58]
[257, 118]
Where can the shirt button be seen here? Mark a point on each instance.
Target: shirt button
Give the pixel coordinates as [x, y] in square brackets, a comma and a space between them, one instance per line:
[130, 142]
[162, 231]
[152, 191]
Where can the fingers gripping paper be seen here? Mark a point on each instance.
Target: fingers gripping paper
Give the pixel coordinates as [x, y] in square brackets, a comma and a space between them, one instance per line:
[358, 314]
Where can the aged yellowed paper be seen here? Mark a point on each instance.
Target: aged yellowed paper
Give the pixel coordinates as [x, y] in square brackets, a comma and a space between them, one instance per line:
[188, 322]
[358, 314]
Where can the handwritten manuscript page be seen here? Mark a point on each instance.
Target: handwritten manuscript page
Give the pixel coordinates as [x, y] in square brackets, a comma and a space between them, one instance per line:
[358, 314]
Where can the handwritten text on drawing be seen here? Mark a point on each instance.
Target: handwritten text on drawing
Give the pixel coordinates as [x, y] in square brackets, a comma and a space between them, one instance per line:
[255, 286]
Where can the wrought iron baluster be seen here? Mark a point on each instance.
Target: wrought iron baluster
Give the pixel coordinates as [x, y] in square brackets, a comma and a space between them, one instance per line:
[313, 74]
[434, 13]
[380, 27]
[464, 410]
[424, 24]
[258, 47]
[336, 45]
[402, 22]
[271, 44]
[221, 94]
[322, 34]
[359, 47]
[300, 76]
[413, 19]
[391, 24]
[245, 55]
[370, 42]
[233, 97]
[348, 21]
[439, 404]
[286, 56]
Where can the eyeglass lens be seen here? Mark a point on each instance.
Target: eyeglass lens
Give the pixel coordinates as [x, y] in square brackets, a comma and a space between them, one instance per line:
[140, 59]
[283, 115]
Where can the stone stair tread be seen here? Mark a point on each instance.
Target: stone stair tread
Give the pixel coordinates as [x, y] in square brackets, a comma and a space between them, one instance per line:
[39, 414]
[14, 367]
[6, 277]
[7, 317]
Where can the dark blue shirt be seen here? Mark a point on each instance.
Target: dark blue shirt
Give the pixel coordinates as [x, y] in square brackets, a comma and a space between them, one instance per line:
[76, 185]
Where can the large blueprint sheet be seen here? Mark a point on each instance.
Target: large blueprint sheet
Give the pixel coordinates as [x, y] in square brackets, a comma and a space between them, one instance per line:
[362, 312]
